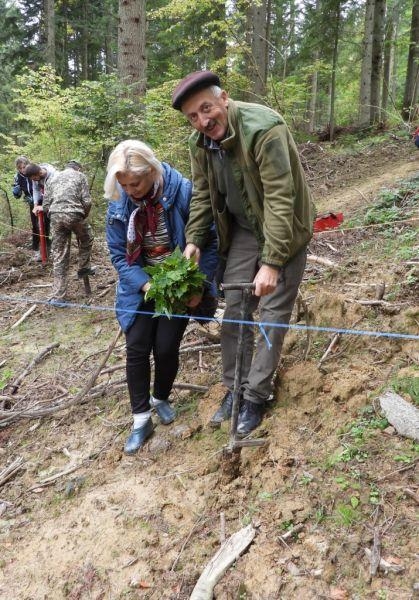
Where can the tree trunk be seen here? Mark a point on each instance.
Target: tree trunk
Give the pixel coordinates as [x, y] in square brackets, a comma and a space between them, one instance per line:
[388, 67]
[377, 58]
[49, 23]
[132, 61]
[411, 89]
[85, 43]
[220, 42]
[256, 36]
[334, 67]
[365, 85]
[313, 96]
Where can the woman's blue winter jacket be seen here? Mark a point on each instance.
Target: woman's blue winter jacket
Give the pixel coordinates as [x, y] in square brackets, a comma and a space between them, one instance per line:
[177, 191]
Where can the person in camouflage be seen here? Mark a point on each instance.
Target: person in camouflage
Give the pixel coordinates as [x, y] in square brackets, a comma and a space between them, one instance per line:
[67, 201]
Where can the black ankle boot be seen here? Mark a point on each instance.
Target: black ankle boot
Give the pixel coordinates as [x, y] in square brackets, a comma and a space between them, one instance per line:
[223, 413]
[250, 416]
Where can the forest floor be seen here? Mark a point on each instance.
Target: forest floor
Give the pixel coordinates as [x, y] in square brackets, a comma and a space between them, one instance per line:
[80, 520]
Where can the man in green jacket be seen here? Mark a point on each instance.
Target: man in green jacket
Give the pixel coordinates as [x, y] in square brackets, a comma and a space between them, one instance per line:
[247, 176]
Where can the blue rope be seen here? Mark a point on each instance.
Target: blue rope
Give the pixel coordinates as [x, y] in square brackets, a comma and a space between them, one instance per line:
[260, 324]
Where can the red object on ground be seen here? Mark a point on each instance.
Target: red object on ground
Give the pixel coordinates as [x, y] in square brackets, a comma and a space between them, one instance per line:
[327, 221]
[42, 238]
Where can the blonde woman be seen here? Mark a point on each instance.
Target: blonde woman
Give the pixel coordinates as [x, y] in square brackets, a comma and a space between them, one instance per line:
[146, 218]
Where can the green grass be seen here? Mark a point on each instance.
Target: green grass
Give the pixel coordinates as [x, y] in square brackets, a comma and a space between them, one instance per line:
[408, 386]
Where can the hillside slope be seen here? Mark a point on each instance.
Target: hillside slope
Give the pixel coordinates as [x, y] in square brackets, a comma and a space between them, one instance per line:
[80, 520]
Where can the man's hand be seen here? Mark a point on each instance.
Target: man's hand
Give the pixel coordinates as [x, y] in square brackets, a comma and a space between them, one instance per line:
[192, 251]
[266, 280]
[146, 287]
[36, 209]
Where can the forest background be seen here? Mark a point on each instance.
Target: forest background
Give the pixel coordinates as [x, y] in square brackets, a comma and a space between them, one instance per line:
[76, 77]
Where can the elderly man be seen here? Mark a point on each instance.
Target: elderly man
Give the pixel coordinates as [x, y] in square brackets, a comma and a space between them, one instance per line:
[248, 177]
[67, 202]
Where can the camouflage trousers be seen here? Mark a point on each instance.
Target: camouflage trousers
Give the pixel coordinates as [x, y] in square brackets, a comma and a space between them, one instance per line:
[62, 226]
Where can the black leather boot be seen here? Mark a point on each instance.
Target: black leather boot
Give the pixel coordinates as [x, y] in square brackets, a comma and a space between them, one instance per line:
[224, 412]
[250, 416]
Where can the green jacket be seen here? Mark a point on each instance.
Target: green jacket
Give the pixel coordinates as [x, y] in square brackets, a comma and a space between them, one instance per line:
[266, 166]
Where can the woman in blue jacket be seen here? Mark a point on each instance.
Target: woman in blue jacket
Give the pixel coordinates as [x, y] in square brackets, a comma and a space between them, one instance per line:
[146, 220]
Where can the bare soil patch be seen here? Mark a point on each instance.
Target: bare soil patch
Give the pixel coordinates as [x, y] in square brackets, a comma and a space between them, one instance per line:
[112, 527]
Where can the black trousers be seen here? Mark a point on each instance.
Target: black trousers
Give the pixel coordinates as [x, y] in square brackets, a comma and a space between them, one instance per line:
[35, 227]
[160, 336]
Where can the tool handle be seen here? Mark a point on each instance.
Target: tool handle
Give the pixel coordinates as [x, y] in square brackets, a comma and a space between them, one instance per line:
[238, 286]
[42, 238]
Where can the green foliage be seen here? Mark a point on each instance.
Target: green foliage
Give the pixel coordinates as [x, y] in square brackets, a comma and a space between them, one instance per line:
[394, 204]
[347, 514]
[173, 283]
[167, 130]
[55, 124]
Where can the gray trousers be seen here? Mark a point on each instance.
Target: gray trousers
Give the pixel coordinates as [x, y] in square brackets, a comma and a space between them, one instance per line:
[259, 361]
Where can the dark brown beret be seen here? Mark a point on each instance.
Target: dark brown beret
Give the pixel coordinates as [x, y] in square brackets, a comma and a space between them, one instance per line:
[198, 80]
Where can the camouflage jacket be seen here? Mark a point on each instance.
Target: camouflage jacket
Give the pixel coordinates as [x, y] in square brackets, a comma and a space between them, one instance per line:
[67, 192]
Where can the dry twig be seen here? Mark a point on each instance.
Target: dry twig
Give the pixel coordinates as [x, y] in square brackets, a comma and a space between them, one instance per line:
[412, 495]
[321, 261]
[8, 472]
[383, 564]
[16, 383]
[24, 316]
[376, 553]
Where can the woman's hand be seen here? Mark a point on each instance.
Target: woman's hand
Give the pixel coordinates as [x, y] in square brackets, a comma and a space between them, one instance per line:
[194, 301]
[146, 287]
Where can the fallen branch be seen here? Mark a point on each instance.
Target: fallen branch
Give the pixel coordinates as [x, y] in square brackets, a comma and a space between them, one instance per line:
[397, 471]
[183, 350]
[10, 470]
[30, 413]
[199, 348]
[24, 316]
[321, 261]
[380, 303]
[175, 562]
[375, 553]
[411, 494]
[291, 532]
[334, 342]
[79, 397]
[221, 561]
[16, 383]
[383, 564]
[90, 457]
[303, 311]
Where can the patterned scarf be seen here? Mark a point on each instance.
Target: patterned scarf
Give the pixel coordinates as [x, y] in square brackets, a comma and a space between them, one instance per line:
[143, 219]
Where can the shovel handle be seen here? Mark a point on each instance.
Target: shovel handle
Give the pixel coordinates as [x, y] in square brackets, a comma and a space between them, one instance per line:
[238, 286]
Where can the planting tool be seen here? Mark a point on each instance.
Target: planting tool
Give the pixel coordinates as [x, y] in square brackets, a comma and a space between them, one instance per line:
[235, 443]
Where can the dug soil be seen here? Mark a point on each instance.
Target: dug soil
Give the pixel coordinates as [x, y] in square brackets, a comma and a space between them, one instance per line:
[331, 493]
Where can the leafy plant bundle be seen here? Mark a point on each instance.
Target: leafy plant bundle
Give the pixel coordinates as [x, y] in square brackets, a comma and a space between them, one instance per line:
[173, 283]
